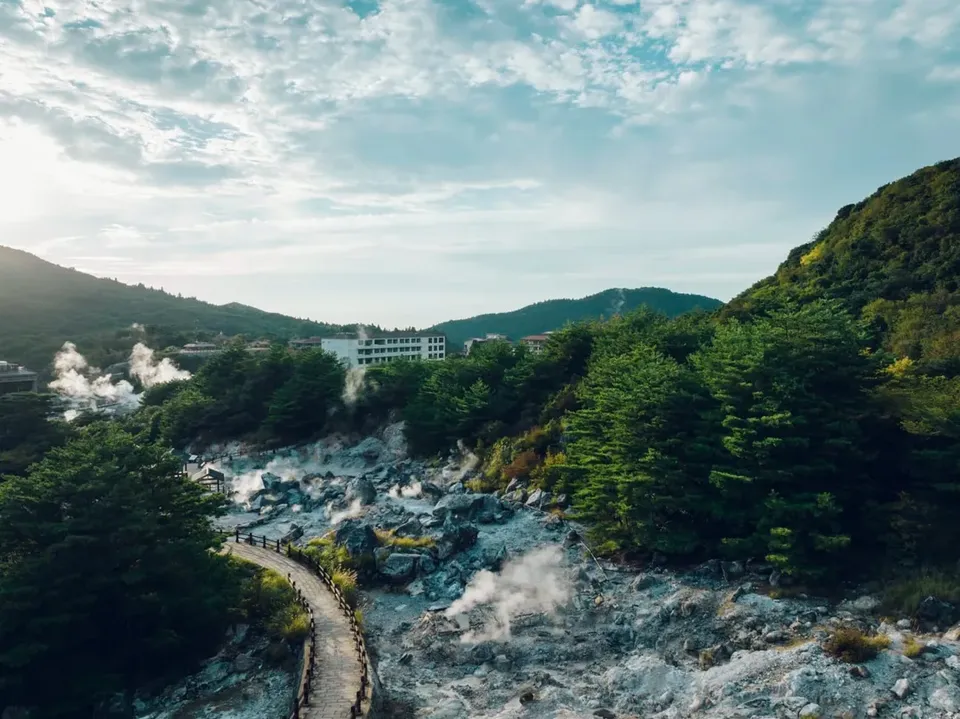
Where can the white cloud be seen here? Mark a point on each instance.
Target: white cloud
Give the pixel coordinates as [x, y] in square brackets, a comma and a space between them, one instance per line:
[159, 141]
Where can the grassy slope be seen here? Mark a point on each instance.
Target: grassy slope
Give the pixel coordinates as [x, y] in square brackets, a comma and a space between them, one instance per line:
[44, 305]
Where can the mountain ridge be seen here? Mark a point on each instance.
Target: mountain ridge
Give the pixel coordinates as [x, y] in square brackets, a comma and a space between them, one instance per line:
[553, 314]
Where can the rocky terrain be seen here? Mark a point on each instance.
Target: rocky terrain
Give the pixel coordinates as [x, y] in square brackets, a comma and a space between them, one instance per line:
[491, 607]
[249, 677]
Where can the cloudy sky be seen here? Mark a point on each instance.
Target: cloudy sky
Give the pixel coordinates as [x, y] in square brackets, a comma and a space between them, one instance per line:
[409, 161]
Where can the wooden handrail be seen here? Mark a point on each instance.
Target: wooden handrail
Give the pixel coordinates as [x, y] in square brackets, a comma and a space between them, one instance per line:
[301, 557]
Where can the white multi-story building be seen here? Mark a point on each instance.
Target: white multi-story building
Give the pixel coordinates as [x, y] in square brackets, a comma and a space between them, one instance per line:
[491, 337]
[16, 378]
[379, 347]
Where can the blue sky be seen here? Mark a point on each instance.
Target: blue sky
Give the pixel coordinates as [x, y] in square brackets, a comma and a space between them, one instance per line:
[409, 161]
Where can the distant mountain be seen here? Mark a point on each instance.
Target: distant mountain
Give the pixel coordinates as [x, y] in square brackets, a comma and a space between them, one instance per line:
[554, 314]
[892, 258]
[42, 305]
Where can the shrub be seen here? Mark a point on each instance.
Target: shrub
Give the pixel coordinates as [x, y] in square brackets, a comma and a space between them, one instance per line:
[849, 644]
[912, 648]
[388, 538]
[522, 465]
[269, 600]
[346, 581]
[904, 596]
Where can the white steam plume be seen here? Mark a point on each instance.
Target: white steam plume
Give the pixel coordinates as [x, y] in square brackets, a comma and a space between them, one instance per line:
[616, 307]
[83, 392]
[354, 510]
[353, 385]
[411, 491]
[532, 583]
[144, 367]
[85, 389]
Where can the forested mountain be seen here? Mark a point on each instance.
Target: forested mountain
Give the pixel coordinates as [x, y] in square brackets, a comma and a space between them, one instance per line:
[554, 314]
[892, 259]
[45, 304]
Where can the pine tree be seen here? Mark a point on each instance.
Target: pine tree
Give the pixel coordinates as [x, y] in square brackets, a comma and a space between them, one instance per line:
[106, 574]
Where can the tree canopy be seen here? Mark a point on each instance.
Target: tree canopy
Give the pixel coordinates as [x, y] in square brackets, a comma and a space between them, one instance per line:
[105, 564]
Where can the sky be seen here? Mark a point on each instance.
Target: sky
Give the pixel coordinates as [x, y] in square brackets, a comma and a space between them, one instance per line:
[404, 162]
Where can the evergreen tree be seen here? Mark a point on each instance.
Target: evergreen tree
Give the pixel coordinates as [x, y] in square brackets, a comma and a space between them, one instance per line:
[107, 578]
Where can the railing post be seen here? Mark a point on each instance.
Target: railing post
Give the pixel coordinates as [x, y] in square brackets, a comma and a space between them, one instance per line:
[264, 541]
[238, 535]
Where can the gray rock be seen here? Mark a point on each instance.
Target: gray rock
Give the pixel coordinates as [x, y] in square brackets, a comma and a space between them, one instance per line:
[429, 489]
[901, 688]
[456, 488]
[244, 663]
[399, 566]
[455, 538]
[494, 556]
[428, 563]
[413, 527]
[357, 536]
[517, 496]
[605, 714]
[362, 489]
[811, 711]
[271, 482]
[482, 508]
[296, 531]
[936, 612]
[732, 570]
[538, 499]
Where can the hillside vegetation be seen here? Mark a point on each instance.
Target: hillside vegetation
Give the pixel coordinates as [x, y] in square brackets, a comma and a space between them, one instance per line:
[814, 423]
[554, 314]
[893, 260]
[45, 305]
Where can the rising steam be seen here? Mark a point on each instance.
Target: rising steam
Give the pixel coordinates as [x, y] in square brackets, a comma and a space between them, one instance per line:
[85, 389]
[353, 385]
[145, 368]
[532, 583]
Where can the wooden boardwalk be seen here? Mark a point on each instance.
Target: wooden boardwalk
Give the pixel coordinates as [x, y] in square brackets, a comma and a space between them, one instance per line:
[337, 670]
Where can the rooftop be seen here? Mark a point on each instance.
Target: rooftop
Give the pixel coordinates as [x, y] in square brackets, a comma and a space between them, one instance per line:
[369, 335]
[535, 338]
[11, 368]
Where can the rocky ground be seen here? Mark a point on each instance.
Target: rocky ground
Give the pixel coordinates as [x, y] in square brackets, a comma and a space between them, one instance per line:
[247, 679]
[504, 612]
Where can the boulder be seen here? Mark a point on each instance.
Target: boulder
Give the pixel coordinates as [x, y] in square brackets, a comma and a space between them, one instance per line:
[429, 489]
[454, 538]
[901, 688]
[538, 499]
[399, 566]
[933, 611]
[494, 556]
[428, 564]
[296, 531]
[362, 489]
[517, 496]
[483, 508]
[357, 536]
[271, 482]
[456, 488]
[410, 528]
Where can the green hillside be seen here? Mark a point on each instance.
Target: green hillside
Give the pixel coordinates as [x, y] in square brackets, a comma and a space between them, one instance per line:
[893, 259]
[554, 314]
[45, 305]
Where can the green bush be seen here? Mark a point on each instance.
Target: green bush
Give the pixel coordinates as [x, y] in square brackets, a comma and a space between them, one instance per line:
[903, 597]
[270, 601]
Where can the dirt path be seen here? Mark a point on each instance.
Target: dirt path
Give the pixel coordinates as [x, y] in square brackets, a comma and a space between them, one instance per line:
[337, 673]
